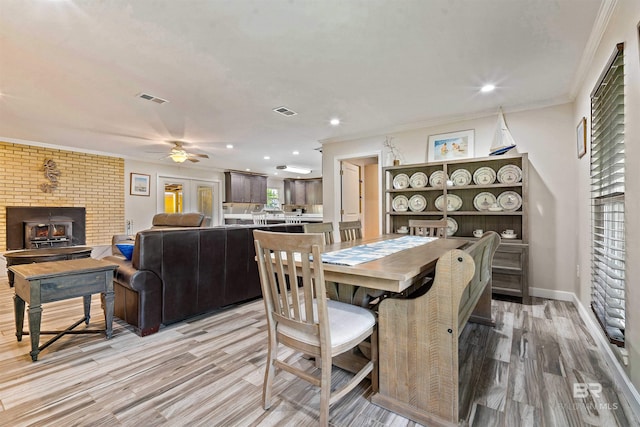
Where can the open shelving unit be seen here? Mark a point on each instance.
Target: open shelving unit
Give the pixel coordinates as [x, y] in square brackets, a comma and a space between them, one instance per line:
[510, 267]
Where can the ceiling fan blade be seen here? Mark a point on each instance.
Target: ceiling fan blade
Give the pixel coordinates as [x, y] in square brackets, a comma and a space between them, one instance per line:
[204, 156]
[191, 159]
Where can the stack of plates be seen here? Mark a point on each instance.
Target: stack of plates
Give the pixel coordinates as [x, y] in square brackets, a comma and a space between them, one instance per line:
[417, 203]
[452, 226]
[461, 177]
[437, 179]
[400, 203]
[453, 202]
[510, 174]
[401, 181]
[510, 201]
[418, 180]
[483, 201]
[484, 176]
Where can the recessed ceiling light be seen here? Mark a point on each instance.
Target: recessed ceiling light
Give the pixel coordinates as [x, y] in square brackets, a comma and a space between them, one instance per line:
[335, 122]
[248, 170]
[267, 157]
[295, 153]
[487, 88]
[229, 145]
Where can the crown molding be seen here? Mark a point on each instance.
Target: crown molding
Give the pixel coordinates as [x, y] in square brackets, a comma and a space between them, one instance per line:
[607, 8]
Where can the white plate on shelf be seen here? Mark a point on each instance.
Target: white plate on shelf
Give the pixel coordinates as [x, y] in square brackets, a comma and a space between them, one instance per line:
[401, 181]
[510, 201]
[437, 179]
[484, 176]
[508, 236]
[509, 174]
[417, 203]
[453, 202]
[400, 203]
[452, 226]
[461, 177]
[483, 201]
[418, 180]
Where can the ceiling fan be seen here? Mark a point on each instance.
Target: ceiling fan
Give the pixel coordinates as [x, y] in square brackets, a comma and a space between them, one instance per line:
[179, 154]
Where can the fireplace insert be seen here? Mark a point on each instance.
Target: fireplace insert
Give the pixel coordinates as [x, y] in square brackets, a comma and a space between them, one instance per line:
[52, 232]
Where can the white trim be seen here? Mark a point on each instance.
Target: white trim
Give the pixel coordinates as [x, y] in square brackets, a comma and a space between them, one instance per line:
[599, 27]
[337, 188]
[619, 375]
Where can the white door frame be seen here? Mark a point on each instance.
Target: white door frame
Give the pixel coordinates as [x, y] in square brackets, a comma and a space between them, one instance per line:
[187, 193]
[337, 187]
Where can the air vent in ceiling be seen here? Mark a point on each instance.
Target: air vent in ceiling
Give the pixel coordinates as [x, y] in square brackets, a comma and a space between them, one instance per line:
[285, 111]
[151, 98]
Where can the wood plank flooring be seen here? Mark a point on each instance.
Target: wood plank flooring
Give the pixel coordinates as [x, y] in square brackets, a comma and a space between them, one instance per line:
[209, 371]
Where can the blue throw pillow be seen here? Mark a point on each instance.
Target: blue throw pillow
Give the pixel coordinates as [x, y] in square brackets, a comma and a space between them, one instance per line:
[126, 249]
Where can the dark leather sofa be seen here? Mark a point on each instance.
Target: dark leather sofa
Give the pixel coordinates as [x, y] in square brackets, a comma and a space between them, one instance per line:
[178, 273]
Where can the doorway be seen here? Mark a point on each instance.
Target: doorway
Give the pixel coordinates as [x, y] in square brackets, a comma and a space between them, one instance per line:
[182, 195]
[359, 188]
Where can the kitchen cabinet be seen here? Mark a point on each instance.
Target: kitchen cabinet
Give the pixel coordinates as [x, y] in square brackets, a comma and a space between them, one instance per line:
[495, 199]
[303, 191]
[245, 188]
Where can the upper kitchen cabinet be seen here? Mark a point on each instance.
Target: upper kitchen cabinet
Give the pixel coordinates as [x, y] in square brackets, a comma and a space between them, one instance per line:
[245, 188]
[303, 191]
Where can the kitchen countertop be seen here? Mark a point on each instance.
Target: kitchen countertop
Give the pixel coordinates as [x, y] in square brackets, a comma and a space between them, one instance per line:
[304, 217]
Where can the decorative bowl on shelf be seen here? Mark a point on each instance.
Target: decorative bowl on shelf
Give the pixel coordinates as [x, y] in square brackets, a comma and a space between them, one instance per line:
[126, 249]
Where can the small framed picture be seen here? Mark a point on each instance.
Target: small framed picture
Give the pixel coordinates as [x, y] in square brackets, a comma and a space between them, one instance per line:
[139, 184]
[581, 137]
[450, 146]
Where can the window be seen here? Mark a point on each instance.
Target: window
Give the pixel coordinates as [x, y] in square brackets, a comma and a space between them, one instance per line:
[272, 198]
[607, 200]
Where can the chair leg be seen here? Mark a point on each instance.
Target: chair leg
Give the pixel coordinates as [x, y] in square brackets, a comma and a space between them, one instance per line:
[325, 388]
[269, 372]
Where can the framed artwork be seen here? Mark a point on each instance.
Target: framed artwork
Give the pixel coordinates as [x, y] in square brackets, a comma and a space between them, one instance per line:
[581, 137]
[139, 185]
[450, 146]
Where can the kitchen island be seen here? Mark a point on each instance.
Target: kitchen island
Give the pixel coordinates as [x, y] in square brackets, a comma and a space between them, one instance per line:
[275, 218]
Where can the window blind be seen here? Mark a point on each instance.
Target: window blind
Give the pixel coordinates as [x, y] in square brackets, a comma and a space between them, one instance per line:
[607, 199]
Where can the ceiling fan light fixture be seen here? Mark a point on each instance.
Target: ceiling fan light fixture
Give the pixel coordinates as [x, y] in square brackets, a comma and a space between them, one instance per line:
[294, 169]
[178, 156]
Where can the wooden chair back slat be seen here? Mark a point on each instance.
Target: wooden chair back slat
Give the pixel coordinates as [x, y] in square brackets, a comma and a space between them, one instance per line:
[350, 230]
[428, 228]
[326, 228]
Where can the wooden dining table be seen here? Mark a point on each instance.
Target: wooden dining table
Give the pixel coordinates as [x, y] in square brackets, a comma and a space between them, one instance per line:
[392, 273]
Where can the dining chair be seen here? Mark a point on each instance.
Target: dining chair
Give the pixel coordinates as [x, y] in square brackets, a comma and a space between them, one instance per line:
[259, 218]
[326, 228]
[350, 230]
[302, 318]
[428, 227]
[292, 218]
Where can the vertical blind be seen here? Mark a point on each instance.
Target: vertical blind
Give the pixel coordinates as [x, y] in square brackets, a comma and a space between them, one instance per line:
[607, 199]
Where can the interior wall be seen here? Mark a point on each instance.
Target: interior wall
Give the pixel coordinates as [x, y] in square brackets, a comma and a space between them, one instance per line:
[548, 135]
[371, 204]
[622, 27]
[141, 209]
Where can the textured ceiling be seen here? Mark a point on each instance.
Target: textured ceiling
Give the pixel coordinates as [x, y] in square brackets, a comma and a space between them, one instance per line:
[70, 70]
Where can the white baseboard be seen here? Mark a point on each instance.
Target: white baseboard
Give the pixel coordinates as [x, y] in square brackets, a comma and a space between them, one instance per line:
[619, 375]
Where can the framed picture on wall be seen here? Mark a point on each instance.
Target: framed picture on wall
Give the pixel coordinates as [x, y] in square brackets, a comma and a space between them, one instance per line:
[581, 135]
[139, 184]
[450, 146]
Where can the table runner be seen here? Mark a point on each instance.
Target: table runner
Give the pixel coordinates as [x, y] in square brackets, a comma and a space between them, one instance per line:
[372, 251]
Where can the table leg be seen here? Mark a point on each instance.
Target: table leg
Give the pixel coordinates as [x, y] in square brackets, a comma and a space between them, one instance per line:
[87, 308]
[109, 298]
[35, 316]
[18, 310]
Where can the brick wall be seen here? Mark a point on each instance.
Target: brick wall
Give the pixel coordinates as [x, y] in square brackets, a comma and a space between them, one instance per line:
[86, 180]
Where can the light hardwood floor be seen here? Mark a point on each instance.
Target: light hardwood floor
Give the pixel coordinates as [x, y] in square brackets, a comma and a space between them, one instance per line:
[209, 371]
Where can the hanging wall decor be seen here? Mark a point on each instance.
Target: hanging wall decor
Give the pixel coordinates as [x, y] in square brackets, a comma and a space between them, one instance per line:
[52, 173]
